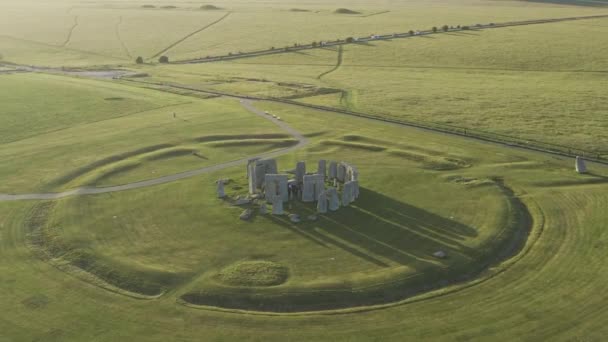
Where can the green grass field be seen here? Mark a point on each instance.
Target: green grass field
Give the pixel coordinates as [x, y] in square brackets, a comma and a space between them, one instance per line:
[483, 80]
[156, 256]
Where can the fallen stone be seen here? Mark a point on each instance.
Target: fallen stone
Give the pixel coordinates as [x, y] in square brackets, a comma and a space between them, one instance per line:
[241, 201]
[440, 254]
[246, 215]
[312, 217]
[263, 209]
[295, 218]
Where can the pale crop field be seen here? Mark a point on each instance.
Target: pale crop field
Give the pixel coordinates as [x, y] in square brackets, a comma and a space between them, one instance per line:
[79, 34]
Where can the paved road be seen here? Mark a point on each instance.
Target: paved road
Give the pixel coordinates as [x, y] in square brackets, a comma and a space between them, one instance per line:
[248, 104]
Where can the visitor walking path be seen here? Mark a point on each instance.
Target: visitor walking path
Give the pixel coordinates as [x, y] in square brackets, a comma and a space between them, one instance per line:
[302, 141]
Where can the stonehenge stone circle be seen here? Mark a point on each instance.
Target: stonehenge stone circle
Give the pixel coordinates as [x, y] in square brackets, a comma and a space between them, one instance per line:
[266, 183]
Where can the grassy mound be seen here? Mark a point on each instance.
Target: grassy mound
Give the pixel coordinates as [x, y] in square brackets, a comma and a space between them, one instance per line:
[254, 273]
[210, 8]
[345, 11]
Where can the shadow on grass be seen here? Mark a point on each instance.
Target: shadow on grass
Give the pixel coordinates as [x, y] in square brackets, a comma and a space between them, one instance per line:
[378, 227]
[461, 34]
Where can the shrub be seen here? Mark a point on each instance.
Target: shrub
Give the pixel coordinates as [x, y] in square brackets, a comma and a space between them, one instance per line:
[163, 59]
[434, 29]
[411, 33]
[465, 28]
[210, 8]
[445, 28]
[139, 60]
[314, 44]
[350, 39]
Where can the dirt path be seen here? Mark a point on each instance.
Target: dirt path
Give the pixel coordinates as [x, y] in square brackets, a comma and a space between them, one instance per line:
[190, 35]
[247, 104]
[125, 49]
[70, 32]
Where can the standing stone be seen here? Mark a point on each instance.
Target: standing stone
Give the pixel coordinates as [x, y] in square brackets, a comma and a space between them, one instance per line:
[341, 172]
[277, 207]
[352, 173]
[276, 187]
[312, 187]
[257, 170]
[246, 215]
[333, 170]
[355, 190]
[253, 188]
[321, 169]
[220, 189]
[347, 194]
[580, 165]
[300, 172]
[334, 201]
[322, 203]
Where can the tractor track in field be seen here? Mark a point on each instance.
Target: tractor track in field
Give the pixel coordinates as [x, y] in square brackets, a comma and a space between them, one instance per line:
[373, 14]
[247, 104]
[70, 32]
[338, 63]
[122, 42]
[191, 34]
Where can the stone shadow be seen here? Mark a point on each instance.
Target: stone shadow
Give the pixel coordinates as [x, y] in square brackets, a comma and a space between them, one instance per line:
[377, 227]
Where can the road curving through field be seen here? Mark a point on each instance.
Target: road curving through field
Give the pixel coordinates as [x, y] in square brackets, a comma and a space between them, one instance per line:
[247, 104]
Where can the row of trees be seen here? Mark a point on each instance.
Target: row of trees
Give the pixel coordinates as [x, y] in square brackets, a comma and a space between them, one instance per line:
[444, 28]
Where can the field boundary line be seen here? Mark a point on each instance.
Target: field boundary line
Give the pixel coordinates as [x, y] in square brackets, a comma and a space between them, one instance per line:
[190, 35]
